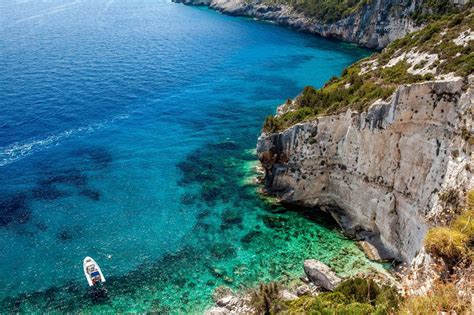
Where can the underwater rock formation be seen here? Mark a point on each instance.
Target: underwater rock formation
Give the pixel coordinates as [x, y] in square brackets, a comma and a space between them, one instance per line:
[14, 210]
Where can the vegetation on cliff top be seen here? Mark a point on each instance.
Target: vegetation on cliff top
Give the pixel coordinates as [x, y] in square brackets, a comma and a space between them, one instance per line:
[330, 11]
[326, 11]
[431, 10]
[421, 56]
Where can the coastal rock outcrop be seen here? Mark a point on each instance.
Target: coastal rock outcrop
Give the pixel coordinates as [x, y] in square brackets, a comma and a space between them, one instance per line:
[379, 172]
[232, 304]
[321, 275]
[374, 25]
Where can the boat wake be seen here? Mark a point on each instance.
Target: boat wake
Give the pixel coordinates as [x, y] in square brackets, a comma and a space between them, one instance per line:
[53, 10]
[18, 150]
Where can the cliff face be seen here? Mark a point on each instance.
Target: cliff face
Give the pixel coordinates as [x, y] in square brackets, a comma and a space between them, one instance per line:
[375, 25]
[379, 172]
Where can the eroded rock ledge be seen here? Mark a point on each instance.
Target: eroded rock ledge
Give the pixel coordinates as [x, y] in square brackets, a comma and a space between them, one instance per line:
[379, 172]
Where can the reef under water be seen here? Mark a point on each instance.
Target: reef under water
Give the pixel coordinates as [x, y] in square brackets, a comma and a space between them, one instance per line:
[239, 239]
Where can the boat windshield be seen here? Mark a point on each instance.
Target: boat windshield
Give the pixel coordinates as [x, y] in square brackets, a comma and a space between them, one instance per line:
[95, 274]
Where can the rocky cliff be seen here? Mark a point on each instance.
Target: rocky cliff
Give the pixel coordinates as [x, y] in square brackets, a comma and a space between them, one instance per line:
[380, 145]
[378, 172]
[374, 24]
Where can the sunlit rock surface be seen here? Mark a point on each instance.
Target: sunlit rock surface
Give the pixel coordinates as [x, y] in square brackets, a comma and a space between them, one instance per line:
[378, 172]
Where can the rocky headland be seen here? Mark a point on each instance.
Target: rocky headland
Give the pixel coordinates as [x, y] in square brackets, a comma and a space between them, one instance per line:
[372, 24]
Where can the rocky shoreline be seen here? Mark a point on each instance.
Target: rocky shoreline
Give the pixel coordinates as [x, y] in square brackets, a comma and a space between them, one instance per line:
[317, 278]
[388, 170]
[374, 26]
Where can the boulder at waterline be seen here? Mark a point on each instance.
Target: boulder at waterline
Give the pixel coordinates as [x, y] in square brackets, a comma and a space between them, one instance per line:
[321, 275]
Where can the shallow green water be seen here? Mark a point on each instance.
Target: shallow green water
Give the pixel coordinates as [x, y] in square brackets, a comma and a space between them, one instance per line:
[239, 240]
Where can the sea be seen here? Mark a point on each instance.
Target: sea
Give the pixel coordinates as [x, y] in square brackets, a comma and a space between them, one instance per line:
[127, 134]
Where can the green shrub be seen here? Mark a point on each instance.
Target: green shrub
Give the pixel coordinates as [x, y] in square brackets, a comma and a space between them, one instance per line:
[359, 290]
[465, 224]
[430, 10]
[444, 298]
[429, 32]
[367, 291]
[271, 124]
[355, 309]
[302, 305]
[446, 243]
[326, 11]
[274, 124]
[470, 200]
[265, 299]
[454, 243]
[353, 296]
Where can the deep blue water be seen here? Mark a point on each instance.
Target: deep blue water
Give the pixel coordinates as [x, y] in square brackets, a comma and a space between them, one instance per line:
[107, 106]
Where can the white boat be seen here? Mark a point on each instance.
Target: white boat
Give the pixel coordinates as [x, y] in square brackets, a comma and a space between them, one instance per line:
[92, 272]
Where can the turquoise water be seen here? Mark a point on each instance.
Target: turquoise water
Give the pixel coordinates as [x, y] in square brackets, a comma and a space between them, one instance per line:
[126, 134]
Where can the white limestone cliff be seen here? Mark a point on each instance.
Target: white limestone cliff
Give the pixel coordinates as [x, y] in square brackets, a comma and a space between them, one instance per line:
[379, 172]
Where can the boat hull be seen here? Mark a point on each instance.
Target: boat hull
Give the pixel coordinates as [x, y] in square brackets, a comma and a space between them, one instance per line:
[88, 263]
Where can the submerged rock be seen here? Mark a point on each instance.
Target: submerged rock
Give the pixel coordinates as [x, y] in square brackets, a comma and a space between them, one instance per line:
[99, 157]
[227, 145]
[250, 236]
[203, 214]
[222, 250]
[227, 279]
[231, 217]
[210, 193]
[48, 192]
[91, 194]
[64, 235]
[232, 304]
[68, 233]
[321, 275]
[274, 222]
[72, 177]
[188, 199]
[14, 210]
